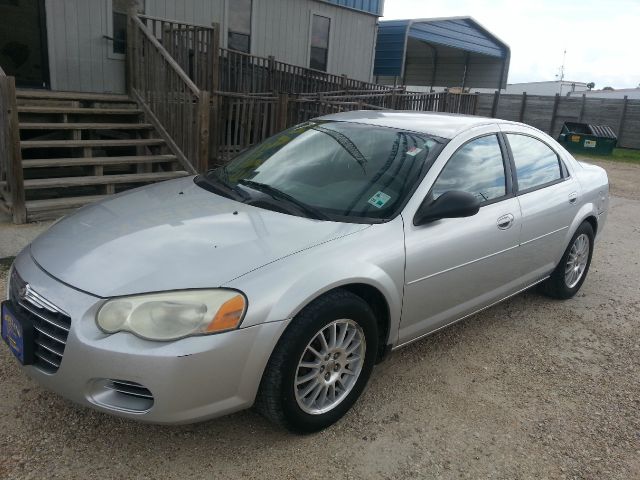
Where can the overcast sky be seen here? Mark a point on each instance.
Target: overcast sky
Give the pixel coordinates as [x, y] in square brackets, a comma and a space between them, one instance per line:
[602, 37]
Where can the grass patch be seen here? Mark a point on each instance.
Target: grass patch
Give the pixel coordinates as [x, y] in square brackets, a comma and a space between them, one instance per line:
[625, 155]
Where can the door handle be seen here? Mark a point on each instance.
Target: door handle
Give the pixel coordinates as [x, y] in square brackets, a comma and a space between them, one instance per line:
[573, 197]
[505, 221]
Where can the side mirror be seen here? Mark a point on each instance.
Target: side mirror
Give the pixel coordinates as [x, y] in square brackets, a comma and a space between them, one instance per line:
[453, 204]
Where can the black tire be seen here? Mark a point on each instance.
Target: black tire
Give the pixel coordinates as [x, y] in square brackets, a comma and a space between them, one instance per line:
[556, 286]
[276, 398]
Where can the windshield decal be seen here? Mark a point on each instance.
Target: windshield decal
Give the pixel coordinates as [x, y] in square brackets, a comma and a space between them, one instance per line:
[379, 199]
[413, 151]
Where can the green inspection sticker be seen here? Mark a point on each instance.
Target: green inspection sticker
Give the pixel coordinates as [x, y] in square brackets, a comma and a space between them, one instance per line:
[379, 199]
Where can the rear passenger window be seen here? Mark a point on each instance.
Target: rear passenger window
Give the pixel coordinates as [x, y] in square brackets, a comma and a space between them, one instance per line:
[476, 168]
[536, 163]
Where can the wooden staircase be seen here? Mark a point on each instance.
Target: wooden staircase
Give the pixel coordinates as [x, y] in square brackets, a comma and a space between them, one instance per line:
[77, 148]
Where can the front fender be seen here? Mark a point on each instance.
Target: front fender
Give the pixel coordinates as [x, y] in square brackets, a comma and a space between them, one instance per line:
[374, 257]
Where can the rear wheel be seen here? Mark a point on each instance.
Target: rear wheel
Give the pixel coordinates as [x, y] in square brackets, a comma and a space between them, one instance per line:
[569, 275]
[321, 364]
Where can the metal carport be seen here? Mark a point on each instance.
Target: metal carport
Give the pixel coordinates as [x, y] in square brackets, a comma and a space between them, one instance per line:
[440, 52]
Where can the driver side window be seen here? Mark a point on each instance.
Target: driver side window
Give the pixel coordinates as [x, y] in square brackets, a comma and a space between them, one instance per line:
[476, 168]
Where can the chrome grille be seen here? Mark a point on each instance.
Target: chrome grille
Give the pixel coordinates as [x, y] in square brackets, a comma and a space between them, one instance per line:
[129, 388]
[51, 324]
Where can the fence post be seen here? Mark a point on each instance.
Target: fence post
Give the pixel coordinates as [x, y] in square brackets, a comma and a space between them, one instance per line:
[214, 126]
[584, 100]
[216, 58]
[15, 174]
[202, 160]
[131, 12]
[271, 70]
[554, 113]
[283, 110]
[523, 106]
[623, 117]
[494, 107]
[343, 82]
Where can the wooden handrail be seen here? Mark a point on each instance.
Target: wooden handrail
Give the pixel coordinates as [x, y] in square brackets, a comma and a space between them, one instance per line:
[162, 51]
[168, 20]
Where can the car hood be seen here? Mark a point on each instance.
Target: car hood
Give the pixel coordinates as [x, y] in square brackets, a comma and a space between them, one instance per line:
[169, 236]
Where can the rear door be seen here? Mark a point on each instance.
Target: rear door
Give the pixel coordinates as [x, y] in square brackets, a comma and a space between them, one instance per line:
[548, 196]
[455, 266]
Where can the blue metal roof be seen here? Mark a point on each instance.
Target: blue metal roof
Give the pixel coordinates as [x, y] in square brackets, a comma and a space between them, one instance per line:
[461, 33]
[370, 6]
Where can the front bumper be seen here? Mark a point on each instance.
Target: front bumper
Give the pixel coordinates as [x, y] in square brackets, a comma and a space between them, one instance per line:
[190, 380]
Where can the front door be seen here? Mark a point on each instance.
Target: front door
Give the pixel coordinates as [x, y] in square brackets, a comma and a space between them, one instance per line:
[23, 42]
[456, 266]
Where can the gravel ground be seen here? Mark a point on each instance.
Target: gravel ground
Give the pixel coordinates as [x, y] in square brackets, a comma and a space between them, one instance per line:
[531, 388]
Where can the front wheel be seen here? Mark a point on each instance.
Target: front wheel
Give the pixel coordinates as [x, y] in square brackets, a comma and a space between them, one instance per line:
[321, 363]
[569, 275]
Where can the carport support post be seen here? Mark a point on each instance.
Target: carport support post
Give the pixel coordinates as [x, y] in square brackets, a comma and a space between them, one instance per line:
[494, 107]
[466, 70]
[554, 113]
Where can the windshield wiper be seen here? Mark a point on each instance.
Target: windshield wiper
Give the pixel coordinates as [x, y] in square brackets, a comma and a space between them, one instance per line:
[346, 144]
[280, 195]
[217, 185]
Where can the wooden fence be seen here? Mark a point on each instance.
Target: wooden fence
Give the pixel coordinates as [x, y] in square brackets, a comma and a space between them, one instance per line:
[549, 113]
[244, 73]
[11, 175]
[240, 120]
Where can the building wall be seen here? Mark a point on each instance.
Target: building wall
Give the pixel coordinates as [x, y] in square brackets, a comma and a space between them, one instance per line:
[546, 88]
[80, 57]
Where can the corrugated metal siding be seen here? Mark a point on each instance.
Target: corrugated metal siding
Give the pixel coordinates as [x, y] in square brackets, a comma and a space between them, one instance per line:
[78, 53]
[461, 34]
[390, 48]
[374, 7]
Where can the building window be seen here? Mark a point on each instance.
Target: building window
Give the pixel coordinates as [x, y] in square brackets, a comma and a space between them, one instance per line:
[240, 25]
[319, 42]
[120, 8]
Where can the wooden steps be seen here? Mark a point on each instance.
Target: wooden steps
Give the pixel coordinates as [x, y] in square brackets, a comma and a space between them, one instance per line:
[82, 161]
[84, 126]
[79, 148]
[79, 110]
[59, 182]
[72, 96]
[140, 142]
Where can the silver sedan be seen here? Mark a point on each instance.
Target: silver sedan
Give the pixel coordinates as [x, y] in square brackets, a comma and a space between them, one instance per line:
[280, 279]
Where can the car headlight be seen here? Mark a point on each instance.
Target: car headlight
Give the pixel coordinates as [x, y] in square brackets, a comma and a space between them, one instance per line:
[173, 315]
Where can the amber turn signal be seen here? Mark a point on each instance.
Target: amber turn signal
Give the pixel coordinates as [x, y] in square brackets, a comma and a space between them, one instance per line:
[228, 316]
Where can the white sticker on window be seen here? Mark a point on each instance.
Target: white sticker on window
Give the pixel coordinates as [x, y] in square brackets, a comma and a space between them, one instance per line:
[413, 151]
[379, 199]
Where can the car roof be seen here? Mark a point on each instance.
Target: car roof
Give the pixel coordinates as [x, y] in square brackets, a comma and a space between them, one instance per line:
[445, 125]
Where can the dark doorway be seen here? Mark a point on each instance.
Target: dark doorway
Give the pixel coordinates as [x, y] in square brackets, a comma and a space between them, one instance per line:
[23, 42]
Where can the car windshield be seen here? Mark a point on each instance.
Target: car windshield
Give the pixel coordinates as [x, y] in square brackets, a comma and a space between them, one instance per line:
[331, 170]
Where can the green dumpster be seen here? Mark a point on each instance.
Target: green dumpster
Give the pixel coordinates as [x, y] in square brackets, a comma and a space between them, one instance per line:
[585, 138]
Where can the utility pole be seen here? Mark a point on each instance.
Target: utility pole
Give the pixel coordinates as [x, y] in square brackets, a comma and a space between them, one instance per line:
[561, 75]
